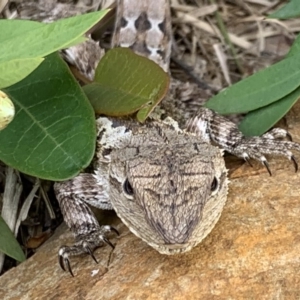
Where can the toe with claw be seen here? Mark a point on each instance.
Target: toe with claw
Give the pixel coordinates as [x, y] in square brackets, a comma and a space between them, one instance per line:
[84, 245]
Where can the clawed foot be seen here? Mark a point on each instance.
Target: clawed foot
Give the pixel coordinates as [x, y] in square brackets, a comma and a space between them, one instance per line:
[269, 143]
[214, 128]
[85, 244]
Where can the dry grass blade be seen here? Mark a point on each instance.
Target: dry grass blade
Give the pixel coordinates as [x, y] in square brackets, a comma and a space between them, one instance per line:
[11, 199]
[259, 42]
[2, 5]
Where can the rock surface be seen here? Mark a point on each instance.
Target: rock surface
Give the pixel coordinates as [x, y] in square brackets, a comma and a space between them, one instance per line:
[252, 253]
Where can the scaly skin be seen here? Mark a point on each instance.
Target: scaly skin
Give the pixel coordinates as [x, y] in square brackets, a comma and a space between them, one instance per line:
[168, 185]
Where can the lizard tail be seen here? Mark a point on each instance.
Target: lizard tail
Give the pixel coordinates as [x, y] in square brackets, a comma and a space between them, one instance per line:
[145, 27]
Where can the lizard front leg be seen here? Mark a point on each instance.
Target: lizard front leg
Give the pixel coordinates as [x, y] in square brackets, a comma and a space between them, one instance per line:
[74, 196]
[217, 129]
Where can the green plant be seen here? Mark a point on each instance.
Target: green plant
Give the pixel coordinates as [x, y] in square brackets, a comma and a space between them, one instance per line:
[268, 95]
[289, 10]
[53, 133]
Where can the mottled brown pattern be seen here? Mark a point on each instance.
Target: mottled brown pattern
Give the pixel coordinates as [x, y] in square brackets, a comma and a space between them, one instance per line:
[168, 185]
[139, 26]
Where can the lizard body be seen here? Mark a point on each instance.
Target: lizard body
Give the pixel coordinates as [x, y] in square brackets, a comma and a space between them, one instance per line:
[168, 185]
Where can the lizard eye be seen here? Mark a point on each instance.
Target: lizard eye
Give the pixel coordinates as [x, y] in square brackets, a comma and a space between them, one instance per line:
[214, 184]
[127, 188]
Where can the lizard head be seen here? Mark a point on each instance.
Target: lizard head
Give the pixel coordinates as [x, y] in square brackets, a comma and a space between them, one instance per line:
[170, 194]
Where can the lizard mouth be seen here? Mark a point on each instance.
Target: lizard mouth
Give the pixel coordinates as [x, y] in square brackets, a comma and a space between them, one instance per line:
[171, 249]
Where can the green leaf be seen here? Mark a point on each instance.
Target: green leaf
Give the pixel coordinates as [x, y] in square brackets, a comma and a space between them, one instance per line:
[15, 70]
[261, 120]
[43, 39]
[290, 10]
[53, 133]
[260, 89]
[17, 28]
[125, 83]
[9, 244]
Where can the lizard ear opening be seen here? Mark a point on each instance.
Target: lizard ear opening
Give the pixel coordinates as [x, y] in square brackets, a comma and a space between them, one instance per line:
[127, 188]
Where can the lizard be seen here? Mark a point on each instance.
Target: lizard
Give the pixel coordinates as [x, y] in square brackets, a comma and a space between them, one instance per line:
[168, 185]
